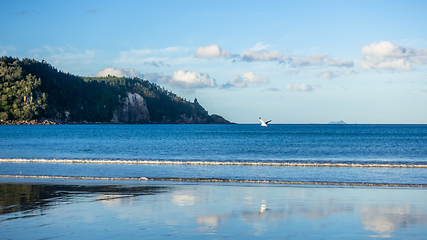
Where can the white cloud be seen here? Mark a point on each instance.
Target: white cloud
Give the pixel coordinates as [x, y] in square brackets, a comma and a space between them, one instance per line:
[299, 87]
[329, 74]
[243, 81]
[318, 60]
[259, 53]
[184, 79]
[212, 51]
[127, 72]
[263, 55]
[386, 55]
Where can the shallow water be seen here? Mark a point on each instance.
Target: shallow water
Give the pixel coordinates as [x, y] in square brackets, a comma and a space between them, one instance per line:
[70, 209]
[284, 174]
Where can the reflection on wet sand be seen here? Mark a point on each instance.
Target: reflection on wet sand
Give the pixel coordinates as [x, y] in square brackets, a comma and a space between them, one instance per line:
[184, 200]
[379, 221]
[28, 197]
[227, 211]
[384, 220]
[210, 223]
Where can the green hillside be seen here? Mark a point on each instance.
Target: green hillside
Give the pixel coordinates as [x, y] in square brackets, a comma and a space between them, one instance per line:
[32, 90]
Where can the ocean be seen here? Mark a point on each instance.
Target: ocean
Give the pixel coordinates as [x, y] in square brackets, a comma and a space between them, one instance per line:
[213, 182]
[379, 155]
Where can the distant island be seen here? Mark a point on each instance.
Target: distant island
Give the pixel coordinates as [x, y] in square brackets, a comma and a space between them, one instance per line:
[33, 92]
[339, 122]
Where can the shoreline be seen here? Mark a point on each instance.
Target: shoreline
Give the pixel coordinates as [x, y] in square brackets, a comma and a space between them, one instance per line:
[53, 122]
[216, 180]
[30, 122]
[50, 122]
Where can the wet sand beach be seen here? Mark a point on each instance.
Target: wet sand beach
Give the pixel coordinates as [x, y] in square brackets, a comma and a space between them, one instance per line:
[97, 209]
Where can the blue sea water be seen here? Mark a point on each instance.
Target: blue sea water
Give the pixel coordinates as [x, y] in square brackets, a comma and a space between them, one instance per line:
[378, 154]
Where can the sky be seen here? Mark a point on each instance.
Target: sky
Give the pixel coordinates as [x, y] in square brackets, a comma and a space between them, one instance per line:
[299, 62]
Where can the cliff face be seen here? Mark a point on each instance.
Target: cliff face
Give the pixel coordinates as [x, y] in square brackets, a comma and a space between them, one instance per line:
[133, 110]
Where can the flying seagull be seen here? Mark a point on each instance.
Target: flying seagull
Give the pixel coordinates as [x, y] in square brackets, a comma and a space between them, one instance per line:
[264, 124]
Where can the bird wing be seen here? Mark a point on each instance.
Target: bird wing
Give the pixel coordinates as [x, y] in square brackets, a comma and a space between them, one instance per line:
[268, 121]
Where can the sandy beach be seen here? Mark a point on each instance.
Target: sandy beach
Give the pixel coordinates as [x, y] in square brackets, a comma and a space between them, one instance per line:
[89, 209]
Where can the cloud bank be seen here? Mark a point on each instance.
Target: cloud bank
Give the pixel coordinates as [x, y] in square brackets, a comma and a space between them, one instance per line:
[127, 72]
[386, 55]
[259, 53]
[381, 55]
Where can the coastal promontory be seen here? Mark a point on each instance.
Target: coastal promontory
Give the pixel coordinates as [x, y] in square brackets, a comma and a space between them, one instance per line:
[33, 92]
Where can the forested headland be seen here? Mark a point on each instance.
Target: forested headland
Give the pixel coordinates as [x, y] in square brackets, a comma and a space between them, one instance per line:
[36, 91]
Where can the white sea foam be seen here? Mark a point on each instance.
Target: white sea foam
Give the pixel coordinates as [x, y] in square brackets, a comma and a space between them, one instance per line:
[167, 162]
[74, 177]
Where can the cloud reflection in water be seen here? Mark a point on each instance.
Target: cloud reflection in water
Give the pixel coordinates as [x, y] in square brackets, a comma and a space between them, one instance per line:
[183, 210]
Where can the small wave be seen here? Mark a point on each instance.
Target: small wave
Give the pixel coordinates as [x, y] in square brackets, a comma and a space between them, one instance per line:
[167, 162]
[219, 180]
[76, 177]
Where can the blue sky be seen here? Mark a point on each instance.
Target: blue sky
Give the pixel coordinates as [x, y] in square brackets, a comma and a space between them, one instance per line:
[289, 61]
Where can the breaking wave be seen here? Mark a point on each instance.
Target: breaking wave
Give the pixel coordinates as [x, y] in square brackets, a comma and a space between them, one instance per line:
[229, 163]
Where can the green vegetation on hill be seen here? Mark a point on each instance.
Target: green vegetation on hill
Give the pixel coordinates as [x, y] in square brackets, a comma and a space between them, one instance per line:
[21, 97]
[32, 90]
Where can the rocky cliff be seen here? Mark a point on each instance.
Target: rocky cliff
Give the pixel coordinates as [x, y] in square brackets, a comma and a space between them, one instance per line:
[133, 110]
